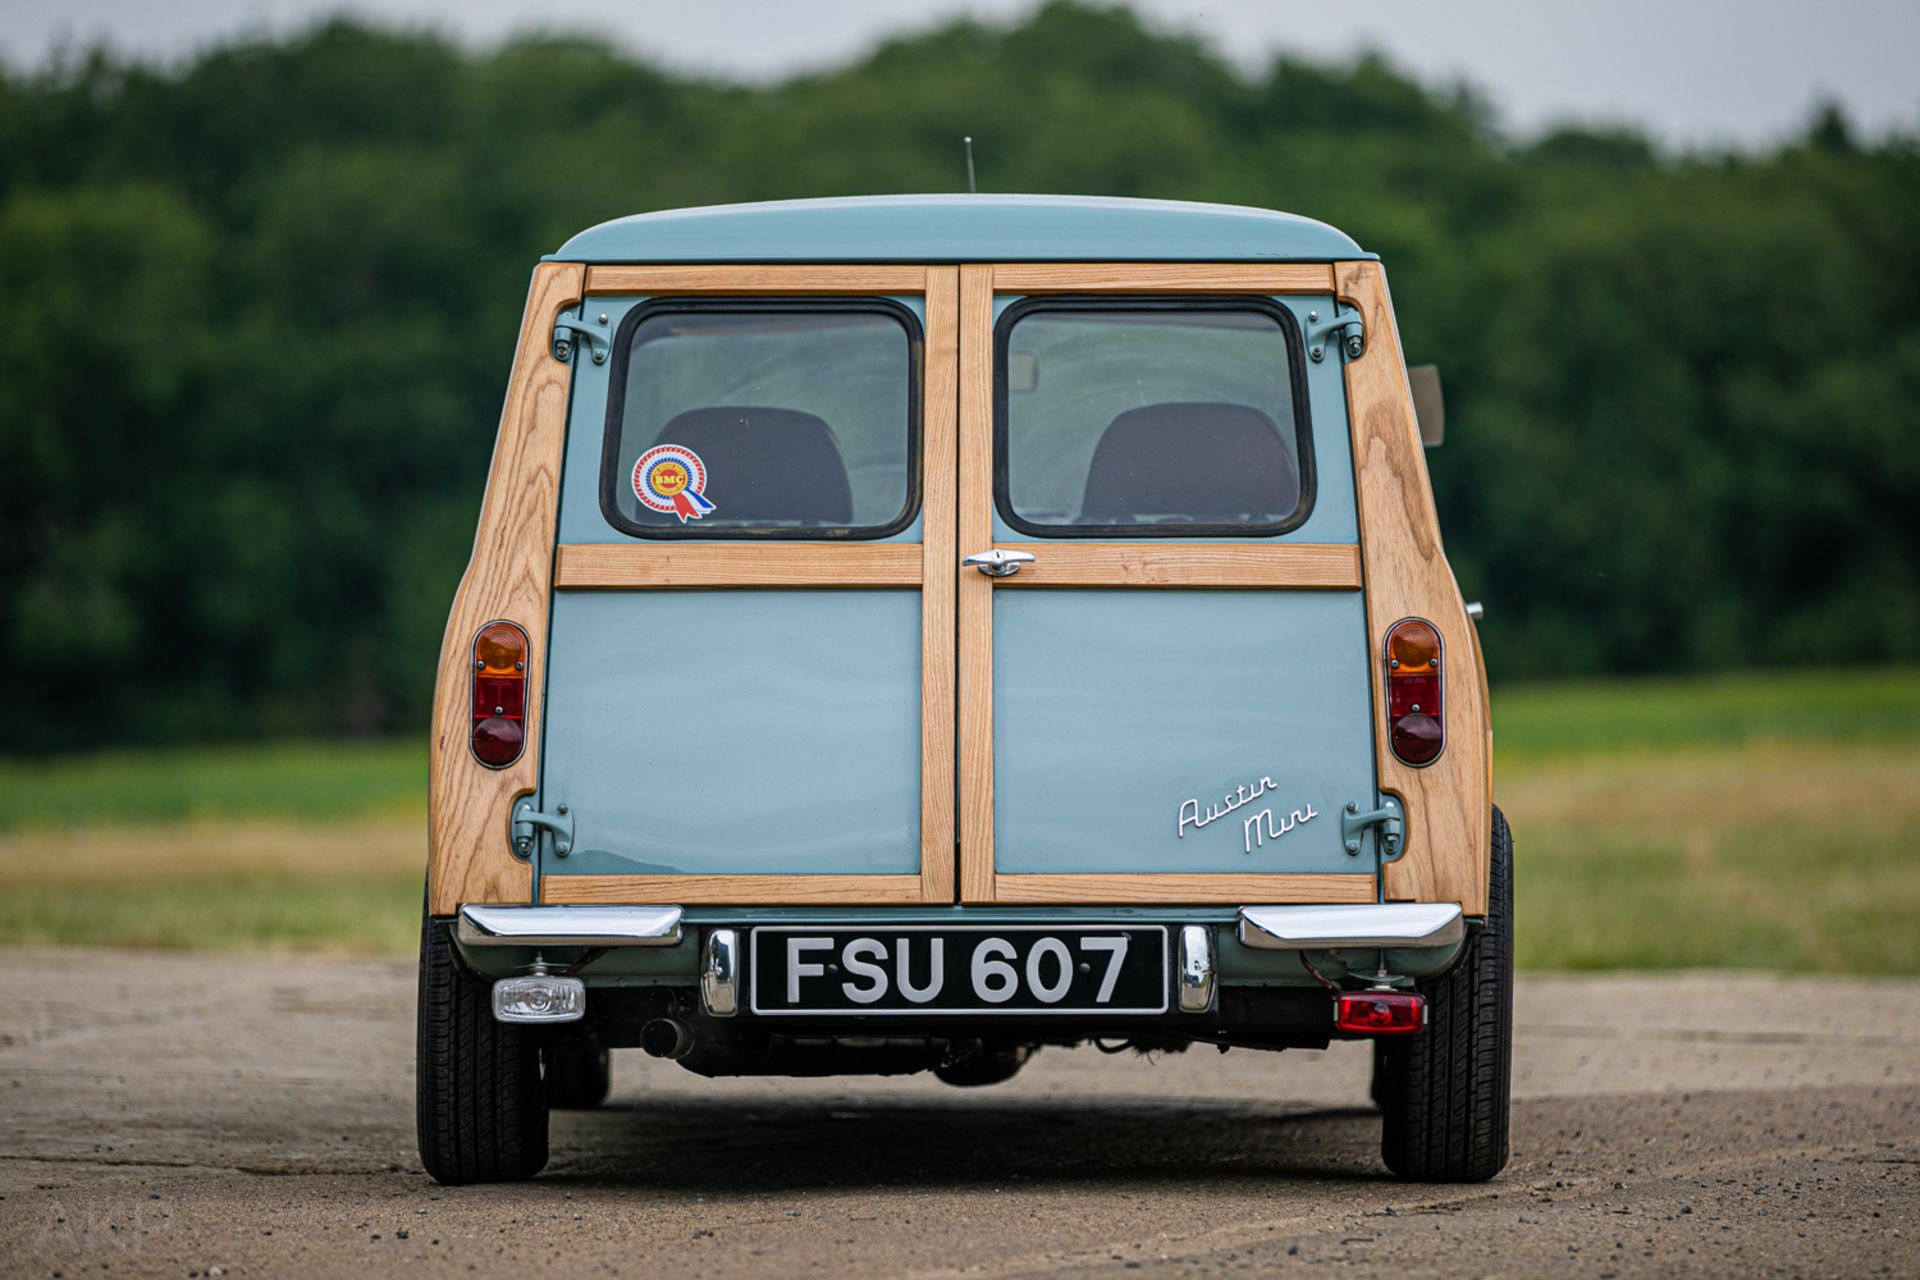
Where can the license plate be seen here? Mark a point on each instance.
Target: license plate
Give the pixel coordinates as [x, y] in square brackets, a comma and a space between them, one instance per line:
[963, 969]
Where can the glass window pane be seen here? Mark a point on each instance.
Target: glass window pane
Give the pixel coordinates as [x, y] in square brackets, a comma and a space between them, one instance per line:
[1145, 421]
[774, 421]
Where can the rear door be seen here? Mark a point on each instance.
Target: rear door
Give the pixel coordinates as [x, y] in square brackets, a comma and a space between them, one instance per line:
[1164, 684]
[750, 688]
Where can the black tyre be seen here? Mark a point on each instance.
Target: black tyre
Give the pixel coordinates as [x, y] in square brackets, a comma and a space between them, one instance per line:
[579, 1075]
[482, 1110]
[1444, 1093]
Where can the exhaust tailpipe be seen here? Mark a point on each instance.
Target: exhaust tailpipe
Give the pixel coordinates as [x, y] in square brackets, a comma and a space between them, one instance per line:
[667, 1038]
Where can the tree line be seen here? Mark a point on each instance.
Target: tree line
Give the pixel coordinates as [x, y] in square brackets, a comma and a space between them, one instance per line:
[256, 311]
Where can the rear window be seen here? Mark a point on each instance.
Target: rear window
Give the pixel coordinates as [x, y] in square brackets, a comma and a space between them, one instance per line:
[763, 419]
[1150, 417]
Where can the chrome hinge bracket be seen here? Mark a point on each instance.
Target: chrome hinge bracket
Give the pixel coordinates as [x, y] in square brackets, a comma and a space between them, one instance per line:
[565, 330]
[1345, 326]
[1353, 824]
[528, 823]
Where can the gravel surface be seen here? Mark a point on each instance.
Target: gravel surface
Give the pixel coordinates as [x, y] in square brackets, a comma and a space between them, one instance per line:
[187, 1115]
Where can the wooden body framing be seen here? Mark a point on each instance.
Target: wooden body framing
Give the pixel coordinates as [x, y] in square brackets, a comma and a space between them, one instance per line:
[1399, 562]
[516, 565]
[1449, 803]
[469, 854]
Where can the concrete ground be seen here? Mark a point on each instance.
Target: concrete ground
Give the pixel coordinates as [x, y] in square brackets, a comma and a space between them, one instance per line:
[201, 1115]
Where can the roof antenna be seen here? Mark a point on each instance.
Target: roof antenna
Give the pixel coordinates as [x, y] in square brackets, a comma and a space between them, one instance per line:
[968, 141]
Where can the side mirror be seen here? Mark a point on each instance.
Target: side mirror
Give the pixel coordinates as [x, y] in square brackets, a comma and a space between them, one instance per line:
[1429, 405]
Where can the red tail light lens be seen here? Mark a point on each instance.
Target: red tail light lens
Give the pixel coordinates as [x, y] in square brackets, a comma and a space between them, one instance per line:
[1379, 1013]
[1416, 719]
[500, 659]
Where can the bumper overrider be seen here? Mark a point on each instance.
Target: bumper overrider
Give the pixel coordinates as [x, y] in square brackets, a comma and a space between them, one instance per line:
[1360, 962]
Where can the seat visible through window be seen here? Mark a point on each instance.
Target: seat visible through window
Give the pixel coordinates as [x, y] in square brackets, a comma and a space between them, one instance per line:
[763, 464]
[1202, 462]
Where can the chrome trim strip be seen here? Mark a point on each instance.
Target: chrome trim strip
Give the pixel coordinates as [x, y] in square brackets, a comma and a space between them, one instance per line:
[720, 973]
[1196, 968]
[1374, 924]
[568, 926]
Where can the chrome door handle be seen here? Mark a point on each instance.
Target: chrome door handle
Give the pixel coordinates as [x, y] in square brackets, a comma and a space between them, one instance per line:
[999, 562]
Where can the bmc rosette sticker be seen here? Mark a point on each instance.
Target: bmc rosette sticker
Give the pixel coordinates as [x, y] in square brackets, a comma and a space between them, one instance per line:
[671, 479]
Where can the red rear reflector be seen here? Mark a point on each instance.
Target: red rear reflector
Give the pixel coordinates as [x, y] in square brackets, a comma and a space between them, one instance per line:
[496, 696]
[499, 689]
[1416, 714]
[1379, 1013]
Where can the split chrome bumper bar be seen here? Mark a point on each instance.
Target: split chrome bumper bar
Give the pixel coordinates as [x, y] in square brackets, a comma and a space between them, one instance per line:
[1373, 924]
[1315, 928]
[584, 926]
[1384, 926]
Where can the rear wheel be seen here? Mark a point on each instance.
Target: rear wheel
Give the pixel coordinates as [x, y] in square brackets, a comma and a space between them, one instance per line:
[481, 1108]
[579, 1075]
[1444, 1092]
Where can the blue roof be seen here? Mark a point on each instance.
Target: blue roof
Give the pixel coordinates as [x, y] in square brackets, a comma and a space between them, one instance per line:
[962, 228]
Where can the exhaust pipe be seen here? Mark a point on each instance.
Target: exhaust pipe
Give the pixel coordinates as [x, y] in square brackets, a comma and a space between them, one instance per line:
[667, 1038]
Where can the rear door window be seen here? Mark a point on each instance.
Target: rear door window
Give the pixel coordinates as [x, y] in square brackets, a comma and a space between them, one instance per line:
[763, 419]
[1125, 418]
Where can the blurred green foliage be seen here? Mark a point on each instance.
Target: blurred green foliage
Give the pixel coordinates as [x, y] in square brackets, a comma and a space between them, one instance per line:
[256, 312]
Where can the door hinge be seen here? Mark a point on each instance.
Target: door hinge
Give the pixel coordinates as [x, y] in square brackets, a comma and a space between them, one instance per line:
[528, 822]
[1354, 823]
[569, 332]
[1345, 326]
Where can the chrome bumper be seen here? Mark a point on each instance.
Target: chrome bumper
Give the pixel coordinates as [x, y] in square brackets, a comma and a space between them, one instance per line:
[568, 926]
[1373, 924]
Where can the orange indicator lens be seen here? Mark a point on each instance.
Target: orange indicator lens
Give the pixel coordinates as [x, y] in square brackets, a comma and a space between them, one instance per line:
[1413, 649]
[501, 650]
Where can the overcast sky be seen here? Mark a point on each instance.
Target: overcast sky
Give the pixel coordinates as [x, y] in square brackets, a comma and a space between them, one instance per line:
[1705, 72]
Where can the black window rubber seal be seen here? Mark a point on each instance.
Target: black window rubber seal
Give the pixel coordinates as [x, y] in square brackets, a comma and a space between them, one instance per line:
[1296, 380]
[611, 470]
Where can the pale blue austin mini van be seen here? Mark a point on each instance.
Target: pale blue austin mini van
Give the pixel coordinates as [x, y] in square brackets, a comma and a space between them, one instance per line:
[907, 633]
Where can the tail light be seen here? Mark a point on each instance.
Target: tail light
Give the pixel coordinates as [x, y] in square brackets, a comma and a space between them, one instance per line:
[1379, 1013]
[499, 694]
[1416, 699]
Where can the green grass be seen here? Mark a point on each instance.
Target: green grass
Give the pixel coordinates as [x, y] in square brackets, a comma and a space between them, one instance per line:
[374, 916]
[1750, 821]
[1801, 856]
[1534, 720]
[288, 781]
[1747, 821]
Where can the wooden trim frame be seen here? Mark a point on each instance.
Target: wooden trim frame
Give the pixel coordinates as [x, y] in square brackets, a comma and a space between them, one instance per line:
[939, 576]
[927, 566]
[1449, 802]
[469, 856]
[1215, 566]
[1140, 564]
[515, 566]
[670, 566]
[699, 890]
[1183, 887]
[975, 654]
[1165, 277]
[760, 281]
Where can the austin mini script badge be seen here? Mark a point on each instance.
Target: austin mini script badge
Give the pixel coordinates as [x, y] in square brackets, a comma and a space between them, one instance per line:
[1257, 828]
